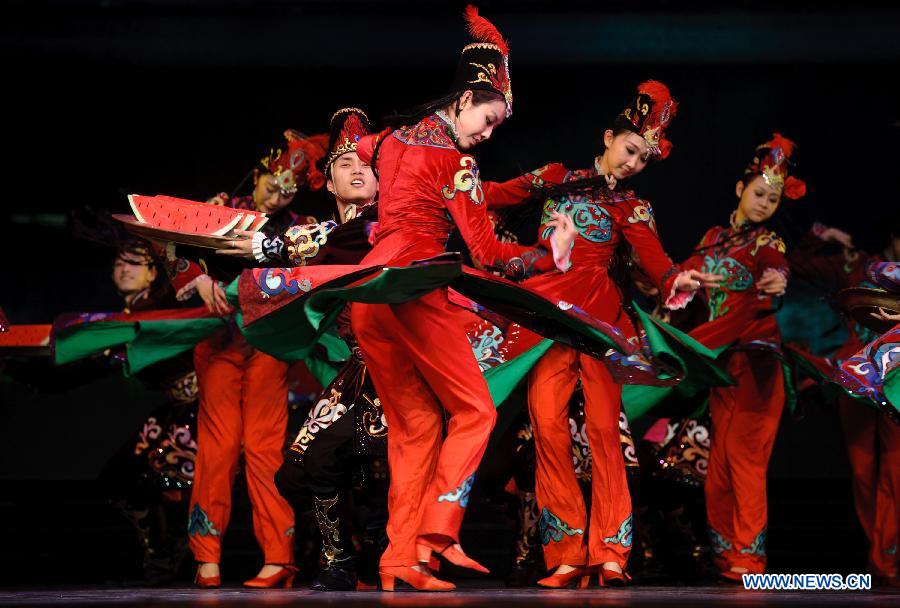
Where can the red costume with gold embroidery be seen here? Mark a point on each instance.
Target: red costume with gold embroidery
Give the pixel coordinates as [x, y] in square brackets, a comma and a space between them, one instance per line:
[243, 401]
[426, 186]
[418, 354]
[606, 219]
[872, 439]
[745, 417]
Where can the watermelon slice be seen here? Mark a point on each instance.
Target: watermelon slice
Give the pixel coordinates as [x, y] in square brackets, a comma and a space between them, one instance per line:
[25, 335]
[182, 215]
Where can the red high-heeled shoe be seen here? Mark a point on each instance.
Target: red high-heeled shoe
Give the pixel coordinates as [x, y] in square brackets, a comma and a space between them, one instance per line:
[613, 578]
[560, 581]
[418, 580]
[424, 547]
[732, 576]
[361, 586]
[207, 582]
[283, 578]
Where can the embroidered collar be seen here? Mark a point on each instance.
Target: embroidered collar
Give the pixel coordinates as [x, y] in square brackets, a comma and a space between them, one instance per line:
[433, 131]
[450, 127]
[743, 226]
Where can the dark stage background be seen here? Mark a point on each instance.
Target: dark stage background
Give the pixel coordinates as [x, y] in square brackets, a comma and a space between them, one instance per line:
[104, 98]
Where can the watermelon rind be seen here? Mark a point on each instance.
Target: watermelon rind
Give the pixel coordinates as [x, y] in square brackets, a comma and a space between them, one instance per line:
[134, 209]
[245, 225]
[224, 230]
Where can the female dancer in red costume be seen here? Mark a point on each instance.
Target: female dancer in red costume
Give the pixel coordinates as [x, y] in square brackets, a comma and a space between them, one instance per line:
[745, 417]
[606, 217]
[871, 435]
[418, 354]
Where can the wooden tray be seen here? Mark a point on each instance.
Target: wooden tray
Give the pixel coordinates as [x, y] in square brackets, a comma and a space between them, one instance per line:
[147, 231]
[860, 302]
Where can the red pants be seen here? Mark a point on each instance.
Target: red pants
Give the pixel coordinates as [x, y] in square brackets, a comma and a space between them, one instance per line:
[243, 403]
[421, 361]
[873, 445]
[745, 420]
[564, 520]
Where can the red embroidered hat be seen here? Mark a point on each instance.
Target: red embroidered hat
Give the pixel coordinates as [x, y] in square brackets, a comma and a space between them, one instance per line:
[484, 64]
[295, 165]
[649, 116]
[771, 160]
[348, 125]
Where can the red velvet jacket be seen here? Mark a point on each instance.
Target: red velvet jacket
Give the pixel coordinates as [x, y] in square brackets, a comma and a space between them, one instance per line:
[605, 220]
[737, 310]
[427, 186]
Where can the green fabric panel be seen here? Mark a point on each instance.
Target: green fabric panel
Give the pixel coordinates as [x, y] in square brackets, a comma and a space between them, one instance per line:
[700, 369]
[163, 339]
[790, 386]
[504, 378]
[86, 339]
[638, 399]
[801, 368]
[659, 346]
[676, 348]
[335, 348]
[231, 292]
[323, 371]
[496, 296]
[290, 332]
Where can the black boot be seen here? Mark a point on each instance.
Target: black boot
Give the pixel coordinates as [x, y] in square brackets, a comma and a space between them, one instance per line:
[527, 568]
[339, 572]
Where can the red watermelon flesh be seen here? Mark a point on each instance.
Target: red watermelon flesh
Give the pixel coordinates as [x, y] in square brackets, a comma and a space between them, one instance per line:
[183, 215]
[25, 335]
[252, 220]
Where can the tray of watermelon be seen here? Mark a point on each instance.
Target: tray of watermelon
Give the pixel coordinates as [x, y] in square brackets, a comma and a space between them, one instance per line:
[29, 340]
[165, 218]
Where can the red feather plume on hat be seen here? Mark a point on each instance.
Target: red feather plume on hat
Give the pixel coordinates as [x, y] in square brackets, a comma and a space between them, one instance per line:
[779, 141]
[663, 109]
[794, 188]
[659, 93]
[315, 148]
[483, 30]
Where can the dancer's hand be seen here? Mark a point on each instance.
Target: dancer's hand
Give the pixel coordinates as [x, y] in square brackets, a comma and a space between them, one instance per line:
[240, 246]
[212, 295]
[564, 231]
[836, 235]
[772, 282]
[692, 280]
[648, 289]
[883, 315]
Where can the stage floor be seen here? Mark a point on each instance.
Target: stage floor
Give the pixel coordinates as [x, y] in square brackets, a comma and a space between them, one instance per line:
[634, 596]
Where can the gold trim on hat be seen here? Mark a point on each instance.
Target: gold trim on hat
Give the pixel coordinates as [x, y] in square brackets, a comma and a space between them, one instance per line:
[344, 148]
[482, 45]
[349, 110]
[773, 178]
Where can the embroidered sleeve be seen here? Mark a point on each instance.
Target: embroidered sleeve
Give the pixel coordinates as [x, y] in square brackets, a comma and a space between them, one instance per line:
[519, 189]
[639, 229]
[463, 196]
[297, 245]
[180, 271]
[769, 250]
